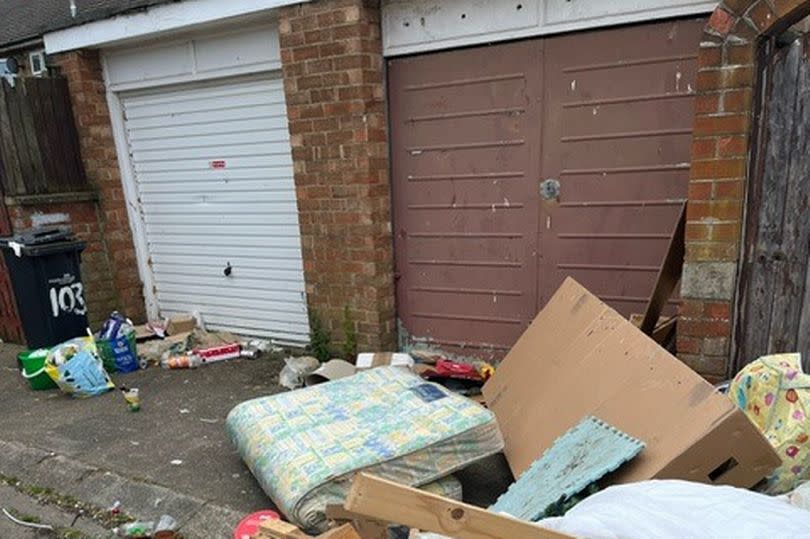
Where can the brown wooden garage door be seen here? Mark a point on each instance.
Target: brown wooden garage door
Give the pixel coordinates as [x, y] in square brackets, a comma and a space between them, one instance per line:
[474, 132]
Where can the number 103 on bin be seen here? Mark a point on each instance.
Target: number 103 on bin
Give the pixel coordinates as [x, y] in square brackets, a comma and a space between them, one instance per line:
[68, 299]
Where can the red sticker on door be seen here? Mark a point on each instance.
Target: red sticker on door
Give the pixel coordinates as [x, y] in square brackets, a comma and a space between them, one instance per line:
[220, 163]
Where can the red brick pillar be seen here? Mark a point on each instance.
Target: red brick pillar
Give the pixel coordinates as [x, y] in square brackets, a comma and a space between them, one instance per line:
[331, 55]
[85, 81]
[719, 174]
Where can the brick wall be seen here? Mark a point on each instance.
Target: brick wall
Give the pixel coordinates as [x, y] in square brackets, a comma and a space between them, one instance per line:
[83, 216]
[718, 180]
[83, 72]
[331, 55]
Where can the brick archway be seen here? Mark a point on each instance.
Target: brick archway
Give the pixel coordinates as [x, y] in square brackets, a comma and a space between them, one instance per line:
[720, 157]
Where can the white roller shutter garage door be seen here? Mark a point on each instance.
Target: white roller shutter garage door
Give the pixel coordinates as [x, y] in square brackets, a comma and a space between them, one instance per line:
[212, 166]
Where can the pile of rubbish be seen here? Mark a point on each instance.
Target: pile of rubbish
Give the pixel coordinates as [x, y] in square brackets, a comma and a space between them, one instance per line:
[81, 366]
[465, 377]
[607, 434]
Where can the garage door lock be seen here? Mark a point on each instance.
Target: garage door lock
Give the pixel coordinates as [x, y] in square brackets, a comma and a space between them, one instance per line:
[550, 189]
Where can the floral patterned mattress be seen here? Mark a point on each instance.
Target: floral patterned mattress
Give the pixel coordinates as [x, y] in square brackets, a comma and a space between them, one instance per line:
[304, 446]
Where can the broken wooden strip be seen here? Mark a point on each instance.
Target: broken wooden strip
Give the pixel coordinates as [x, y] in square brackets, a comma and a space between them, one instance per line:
[278, 529]
[385, 500]
[366, 527]
[346, 531]
[664, 332]
[668, 275]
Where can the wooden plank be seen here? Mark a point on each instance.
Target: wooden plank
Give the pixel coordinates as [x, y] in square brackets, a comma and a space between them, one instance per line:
[753, 198]
[756, 297]
[366, 527]
[346, 531]
[668, 275]
[803, 344]
[43, 126]
[664, 332]
[794, 248]
[59, 98]
[278, 529]
[25, 133]
[385, 500]
[13, 177]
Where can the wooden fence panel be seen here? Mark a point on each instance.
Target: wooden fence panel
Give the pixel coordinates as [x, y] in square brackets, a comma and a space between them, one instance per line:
[38, 140]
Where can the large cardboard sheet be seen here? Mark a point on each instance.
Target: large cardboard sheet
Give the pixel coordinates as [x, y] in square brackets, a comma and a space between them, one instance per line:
[580, 357]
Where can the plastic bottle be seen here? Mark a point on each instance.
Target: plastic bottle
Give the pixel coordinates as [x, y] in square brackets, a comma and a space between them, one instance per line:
[183, 361]
[139, 528]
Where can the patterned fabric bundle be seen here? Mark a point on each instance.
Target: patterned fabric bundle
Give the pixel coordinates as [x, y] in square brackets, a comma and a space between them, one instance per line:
[774, 393]
[304, 446]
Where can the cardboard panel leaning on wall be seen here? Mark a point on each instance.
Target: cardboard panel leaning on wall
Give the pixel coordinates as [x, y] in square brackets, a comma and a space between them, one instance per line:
[580, 357]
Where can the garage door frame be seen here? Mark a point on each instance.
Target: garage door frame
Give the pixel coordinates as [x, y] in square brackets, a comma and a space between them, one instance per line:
[266, 63]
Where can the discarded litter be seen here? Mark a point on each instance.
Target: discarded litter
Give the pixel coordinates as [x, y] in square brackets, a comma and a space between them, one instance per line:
[218, 353]
[248, 527]
[176, 462]
[597, 363]
[32, 364]
[378, 359]
[26, 524]
[164, 528]
[116, 344]
[77, 369]
[463, 378]
[176, 325]
[137, 529]
[182, 361]
[334, 369]
[373, 418]
[579, 458]
[579, 358]
[774, 393]
[254, 348]
[132, 398]
[675, 509]
[295, 370]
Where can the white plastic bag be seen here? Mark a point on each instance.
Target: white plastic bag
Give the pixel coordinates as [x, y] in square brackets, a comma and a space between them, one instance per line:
[681, 510]
[296, 370]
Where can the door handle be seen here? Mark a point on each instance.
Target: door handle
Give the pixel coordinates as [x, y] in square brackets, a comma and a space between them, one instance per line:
[550, 189]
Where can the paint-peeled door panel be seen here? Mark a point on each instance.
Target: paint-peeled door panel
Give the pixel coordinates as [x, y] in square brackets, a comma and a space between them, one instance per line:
[214, 176]
[616, 135]
[464, 142]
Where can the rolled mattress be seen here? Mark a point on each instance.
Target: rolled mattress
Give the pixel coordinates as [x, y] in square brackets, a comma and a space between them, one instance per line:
[304, 446]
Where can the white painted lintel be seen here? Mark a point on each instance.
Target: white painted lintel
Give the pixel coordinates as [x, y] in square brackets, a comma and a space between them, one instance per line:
[155, 21]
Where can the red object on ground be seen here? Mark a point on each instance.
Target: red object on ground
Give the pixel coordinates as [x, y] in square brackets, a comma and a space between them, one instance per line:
[219, 353]
[249, 526]
[450, 369]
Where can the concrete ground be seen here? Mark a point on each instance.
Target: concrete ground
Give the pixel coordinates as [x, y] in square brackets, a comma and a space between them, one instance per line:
[173, 454]
[26, 508]
[181, 419]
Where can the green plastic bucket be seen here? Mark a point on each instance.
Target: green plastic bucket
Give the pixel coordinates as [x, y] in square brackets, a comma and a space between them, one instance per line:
[33, 369]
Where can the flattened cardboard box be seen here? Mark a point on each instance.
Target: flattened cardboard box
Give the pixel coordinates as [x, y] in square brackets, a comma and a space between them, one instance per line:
[580, 357]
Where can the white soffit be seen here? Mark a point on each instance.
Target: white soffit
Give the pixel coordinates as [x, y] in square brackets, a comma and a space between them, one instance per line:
[155, 21]
[411, 26]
